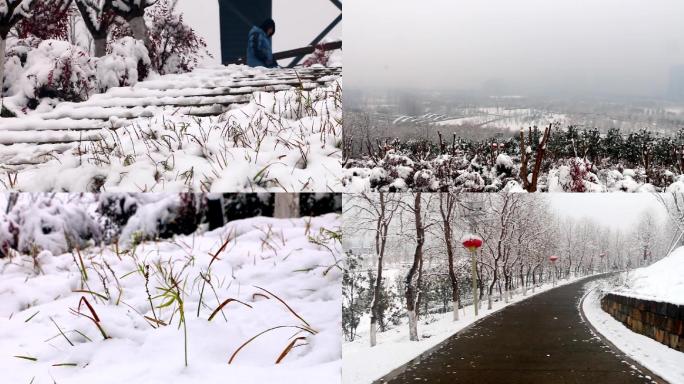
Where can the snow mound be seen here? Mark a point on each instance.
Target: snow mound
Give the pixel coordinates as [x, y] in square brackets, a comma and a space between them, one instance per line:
[662, 281]
[47, 332]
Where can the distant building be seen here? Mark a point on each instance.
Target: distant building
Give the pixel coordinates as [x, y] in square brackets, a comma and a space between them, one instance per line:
[676, 88]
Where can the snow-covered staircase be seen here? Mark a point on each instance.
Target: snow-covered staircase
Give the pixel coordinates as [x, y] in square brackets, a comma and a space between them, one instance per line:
[204, 92]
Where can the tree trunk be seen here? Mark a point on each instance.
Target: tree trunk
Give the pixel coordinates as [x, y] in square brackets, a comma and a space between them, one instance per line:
[412, 287]
[373, 332]
[100, 46]
[3, 45]
[381, 229]
[413, 326]
[448, 239]
[139, 29]
[286, 205]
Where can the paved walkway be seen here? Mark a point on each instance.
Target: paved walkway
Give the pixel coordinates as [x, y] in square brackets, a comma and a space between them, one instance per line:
[540, 340]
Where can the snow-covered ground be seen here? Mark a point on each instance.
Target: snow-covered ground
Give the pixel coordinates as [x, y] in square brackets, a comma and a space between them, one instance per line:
[666, 362]
[657, 282]
[272, 132]
[394, 348]
[284, 276]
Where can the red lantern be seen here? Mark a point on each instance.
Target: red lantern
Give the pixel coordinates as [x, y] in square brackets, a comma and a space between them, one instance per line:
[471, 242]
[553, 258]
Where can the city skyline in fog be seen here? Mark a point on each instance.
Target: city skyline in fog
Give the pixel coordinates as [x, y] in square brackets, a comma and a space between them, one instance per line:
[578, 48]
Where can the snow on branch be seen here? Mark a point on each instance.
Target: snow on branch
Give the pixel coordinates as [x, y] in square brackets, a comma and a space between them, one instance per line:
[11, 11]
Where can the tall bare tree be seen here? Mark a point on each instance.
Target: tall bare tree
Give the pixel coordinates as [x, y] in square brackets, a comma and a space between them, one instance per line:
[447, 208]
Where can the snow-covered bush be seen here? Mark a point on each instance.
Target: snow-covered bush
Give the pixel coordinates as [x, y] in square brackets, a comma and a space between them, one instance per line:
[47, 223]
[126, 63]
[59, 70]
[576, 175]
[133, 217]
[320, 57]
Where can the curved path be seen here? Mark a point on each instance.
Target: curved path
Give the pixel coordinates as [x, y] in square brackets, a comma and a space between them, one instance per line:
[540, 340]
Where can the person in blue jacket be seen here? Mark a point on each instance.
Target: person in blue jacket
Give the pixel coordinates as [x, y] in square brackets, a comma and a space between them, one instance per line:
[259, 50]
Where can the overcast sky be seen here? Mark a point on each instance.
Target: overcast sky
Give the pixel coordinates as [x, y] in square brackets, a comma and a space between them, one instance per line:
[584, 46]
[616, 210]
[297, 21]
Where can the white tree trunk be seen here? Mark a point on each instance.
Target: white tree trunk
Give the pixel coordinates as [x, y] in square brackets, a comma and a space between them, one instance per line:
[100, 46]
[286, 205]
[489, 301]
[373, 334]
[413, 326]
[455, 305]
[139, 29]
[507, 295]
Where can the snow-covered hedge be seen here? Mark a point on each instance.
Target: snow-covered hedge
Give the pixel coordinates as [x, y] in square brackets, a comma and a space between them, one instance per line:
[45, 222]
[57, 69]
[127, 63]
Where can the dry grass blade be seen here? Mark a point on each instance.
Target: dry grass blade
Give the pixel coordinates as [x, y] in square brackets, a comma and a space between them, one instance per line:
[288, 307]
[289, 348]
[26, 358]
[232, 357]
[155, 321]
[32, 316]
[94, 318]
[221, 249]
[220, 307]
[90, 308]
[61, 332]
[255, 295]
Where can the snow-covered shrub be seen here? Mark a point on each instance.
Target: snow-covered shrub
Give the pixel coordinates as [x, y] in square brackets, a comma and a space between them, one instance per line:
[46, 223]
[15, 60]
[576, 175]
[160, 216]
[320, 57]
[57, 69]
[126, 63]
[505, 165]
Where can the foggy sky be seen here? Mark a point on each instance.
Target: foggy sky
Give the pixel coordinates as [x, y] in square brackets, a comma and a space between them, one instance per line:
[614, 210]
[624, 47]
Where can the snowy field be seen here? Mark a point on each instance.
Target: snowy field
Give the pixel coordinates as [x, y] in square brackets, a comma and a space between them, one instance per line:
[228, 129]
[496, 117]
[257, 301]
[666, 362]
[656, 282]
[394, 348]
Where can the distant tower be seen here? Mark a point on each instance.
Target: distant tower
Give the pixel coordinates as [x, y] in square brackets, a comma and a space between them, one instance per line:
[237, 18]
[676, 90]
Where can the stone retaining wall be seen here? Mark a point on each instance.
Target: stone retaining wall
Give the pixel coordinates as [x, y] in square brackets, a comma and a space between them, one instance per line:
[663, 322]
